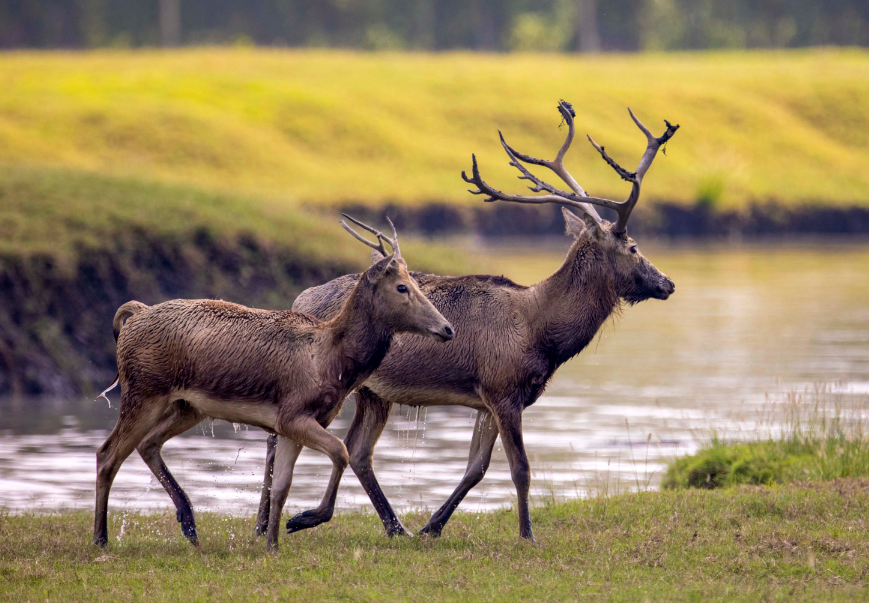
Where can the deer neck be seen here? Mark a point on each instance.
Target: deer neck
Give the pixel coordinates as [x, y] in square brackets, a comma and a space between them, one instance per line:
[572, 304]
[359, 341]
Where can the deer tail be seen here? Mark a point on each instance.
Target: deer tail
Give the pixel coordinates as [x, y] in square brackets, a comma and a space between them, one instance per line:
[126, 310]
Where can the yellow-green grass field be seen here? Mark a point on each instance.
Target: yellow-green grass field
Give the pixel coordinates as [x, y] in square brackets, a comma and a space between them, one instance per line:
[56, 213]
[788, 543]
[336, 128]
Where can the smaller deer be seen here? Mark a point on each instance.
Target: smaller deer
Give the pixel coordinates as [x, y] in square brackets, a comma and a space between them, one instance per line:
[283, 371]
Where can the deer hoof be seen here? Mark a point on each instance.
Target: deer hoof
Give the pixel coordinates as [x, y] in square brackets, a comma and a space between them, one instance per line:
[431, 531]
[305, 520]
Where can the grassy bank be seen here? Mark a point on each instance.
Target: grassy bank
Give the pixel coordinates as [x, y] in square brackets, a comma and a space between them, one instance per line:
[58, 213]
[340, 128]
[743, 544]
[815, 434]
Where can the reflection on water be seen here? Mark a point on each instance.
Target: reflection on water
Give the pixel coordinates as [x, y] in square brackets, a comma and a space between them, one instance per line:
[742, 323]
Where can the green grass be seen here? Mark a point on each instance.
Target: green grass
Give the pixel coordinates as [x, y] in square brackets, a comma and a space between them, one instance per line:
[56, 213]
[744, 544]
[822, 435]
[330, 128]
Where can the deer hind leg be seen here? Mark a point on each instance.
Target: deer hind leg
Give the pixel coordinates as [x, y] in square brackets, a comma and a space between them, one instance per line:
[177, 419]
[310, 433]
[372, 414]
[286, 452]
[138, 416]
[262, 516]
[485, 435]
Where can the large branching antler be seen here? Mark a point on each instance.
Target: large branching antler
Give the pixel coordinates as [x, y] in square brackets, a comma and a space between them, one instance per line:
[393, 241]
[577, 198]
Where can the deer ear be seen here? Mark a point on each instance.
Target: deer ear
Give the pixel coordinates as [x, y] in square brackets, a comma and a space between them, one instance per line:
[376, 256]
[592, 226]
[573, 224]
[387, 265]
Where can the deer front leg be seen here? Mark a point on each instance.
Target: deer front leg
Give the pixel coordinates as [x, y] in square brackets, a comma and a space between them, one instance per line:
[262, 516]
[286, 452]
[372, 414]
[485, 436]
[509, 423]
[310, 433]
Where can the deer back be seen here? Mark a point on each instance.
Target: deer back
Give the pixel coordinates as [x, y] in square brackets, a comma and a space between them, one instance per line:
[493, 347]
[224, 350]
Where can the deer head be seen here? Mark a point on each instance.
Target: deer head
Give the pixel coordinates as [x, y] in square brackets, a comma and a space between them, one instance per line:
[635, 278]
[395, 298]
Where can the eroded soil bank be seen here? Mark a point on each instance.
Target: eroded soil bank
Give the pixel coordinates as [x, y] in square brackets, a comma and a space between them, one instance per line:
[56, 318]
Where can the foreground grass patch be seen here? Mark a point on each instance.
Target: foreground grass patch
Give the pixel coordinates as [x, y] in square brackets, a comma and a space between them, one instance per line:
[737, 544]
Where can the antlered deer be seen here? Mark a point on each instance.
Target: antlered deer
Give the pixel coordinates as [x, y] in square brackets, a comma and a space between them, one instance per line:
[511, 338]
[184, 360]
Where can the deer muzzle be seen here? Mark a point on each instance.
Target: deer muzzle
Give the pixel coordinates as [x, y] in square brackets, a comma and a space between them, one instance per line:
[443, 333]
[666, 288]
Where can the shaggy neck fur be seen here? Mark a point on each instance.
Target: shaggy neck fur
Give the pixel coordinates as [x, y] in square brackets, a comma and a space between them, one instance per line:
[573, 303]
[361, 338]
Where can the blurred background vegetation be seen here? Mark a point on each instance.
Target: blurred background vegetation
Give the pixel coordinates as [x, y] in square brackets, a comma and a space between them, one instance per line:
[526, 25]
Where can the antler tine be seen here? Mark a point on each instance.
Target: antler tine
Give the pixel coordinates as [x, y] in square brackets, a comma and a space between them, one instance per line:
[579, 198]
[496, 195]
[557, 165]
[394, 241]
[635, 178]
[380, 237]
[654, 143]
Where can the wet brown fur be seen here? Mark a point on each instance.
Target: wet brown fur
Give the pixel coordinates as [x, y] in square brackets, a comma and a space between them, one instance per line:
[510, 341]
[287, 372]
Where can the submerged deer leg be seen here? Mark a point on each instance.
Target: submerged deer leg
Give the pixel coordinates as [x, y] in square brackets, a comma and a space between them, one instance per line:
[372, 414]
[485, 435]
[286, 452]
[178, 418]
[262, 516]
[509, 423]
[138, 416]
[310, 433]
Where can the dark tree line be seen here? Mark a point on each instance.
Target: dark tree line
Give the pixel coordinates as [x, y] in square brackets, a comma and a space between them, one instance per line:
[494, 25]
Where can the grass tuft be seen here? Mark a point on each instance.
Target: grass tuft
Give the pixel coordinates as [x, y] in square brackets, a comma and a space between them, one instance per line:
[821, 435]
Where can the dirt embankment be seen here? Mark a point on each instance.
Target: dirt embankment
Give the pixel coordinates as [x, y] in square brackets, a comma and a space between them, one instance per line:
[56, 319]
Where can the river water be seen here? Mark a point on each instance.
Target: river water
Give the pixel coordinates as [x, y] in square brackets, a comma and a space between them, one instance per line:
[746, 326]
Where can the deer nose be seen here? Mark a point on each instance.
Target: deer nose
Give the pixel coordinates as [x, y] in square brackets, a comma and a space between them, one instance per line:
[667, 287]
[448, 332]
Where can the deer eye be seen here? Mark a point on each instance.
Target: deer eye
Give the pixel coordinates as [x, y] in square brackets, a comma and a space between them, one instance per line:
[634, 249]
[402, 289]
